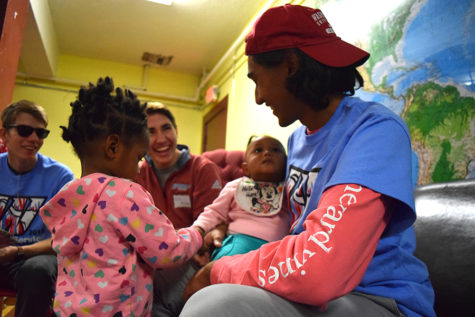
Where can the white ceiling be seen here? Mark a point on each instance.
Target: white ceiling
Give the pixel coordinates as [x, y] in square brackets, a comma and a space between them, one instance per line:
[195, 32]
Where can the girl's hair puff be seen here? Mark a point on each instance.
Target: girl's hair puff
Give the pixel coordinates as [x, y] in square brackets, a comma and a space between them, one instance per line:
[98, 113]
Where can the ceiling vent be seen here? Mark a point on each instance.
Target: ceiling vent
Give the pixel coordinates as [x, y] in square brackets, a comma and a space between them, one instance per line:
[157, 59]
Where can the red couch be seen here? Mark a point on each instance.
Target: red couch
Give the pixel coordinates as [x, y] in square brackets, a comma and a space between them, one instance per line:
[229, 163]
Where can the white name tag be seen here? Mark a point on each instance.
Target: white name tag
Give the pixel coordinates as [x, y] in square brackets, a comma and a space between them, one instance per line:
[182, 201]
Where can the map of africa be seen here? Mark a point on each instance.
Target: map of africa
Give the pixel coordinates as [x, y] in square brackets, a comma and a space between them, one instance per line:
[422, 67]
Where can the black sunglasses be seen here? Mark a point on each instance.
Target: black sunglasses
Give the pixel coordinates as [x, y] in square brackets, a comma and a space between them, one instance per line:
[26, 130]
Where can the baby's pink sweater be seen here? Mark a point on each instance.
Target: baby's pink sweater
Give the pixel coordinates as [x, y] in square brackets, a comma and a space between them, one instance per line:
[109, 236]
[225, 209]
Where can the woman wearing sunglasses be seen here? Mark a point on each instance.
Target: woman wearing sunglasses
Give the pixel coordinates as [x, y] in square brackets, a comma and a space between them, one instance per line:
[28, 180]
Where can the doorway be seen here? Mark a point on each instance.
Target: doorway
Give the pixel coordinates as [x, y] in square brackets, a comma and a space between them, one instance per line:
[214, 127]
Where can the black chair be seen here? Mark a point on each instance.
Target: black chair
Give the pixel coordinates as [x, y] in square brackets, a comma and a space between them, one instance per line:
[445, 231]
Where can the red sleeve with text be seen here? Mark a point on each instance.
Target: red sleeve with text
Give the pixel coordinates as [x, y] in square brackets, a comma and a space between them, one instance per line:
[325, 261]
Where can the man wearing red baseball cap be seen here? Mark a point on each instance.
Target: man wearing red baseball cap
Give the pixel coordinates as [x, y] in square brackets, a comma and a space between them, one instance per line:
[307, 29]
[350, 249]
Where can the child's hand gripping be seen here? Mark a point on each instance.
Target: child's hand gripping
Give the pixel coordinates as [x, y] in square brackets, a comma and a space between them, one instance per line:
[211, 241]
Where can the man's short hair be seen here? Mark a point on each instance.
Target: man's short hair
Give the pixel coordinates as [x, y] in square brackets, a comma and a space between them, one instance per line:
[11, 112]
[158, 107]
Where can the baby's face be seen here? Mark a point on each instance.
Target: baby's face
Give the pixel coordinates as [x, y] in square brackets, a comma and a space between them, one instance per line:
[265, 158]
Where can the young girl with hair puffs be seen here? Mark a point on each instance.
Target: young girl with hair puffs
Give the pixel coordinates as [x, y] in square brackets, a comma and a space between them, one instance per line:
[106, 230]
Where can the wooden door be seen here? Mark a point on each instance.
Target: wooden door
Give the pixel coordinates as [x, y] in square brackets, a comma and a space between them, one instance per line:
[214, 127]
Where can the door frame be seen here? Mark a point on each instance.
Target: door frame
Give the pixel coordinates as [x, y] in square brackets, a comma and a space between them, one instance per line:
[217, 109]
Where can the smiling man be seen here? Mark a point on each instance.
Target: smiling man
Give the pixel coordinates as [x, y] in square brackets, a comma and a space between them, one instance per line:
[181, 183]
[28, 180]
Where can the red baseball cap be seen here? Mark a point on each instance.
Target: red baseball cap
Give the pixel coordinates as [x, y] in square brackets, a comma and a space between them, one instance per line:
[294, 26]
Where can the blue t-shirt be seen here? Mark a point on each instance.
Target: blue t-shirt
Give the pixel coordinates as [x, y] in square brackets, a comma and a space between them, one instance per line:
[367, 144]
[22, 196]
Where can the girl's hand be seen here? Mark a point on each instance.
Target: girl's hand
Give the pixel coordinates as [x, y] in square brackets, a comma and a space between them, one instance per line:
[198, 281]
[201, 231]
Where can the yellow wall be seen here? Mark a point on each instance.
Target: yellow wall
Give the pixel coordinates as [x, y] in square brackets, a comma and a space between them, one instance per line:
[55, 97]
[244, 116]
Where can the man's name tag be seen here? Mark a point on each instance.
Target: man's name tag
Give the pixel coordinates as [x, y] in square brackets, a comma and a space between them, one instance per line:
[182, 201]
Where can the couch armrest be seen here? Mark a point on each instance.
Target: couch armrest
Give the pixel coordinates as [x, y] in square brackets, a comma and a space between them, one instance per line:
[445, 232]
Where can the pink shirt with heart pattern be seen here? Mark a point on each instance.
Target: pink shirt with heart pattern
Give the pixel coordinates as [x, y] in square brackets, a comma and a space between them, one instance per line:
[109, 236]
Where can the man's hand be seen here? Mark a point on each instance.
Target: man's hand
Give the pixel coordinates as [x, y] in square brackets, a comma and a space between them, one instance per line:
[212, 240]
[42, 247]
[5, 239]
[8, 254]
[198, 281]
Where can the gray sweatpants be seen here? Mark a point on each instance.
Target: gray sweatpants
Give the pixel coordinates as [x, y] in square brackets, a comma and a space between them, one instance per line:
[229, 300]
[168, 287]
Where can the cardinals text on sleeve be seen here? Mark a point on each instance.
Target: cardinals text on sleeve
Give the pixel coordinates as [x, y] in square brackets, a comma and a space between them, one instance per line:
[319, 241]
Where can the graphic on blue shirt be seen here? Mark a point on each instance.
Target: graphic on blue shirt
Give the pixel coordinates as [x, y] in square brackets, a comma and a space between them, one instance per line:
[299, 188]
[368, 145]
[18, 213]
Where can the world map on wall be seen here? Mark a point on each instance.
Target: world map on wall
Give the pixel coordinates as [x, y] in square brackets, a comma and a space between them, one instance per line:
[422, 67]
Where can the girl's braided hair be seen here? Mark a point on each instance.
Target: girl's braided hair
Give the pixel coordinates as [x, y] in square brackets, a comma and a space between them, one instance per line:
[97, 113]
